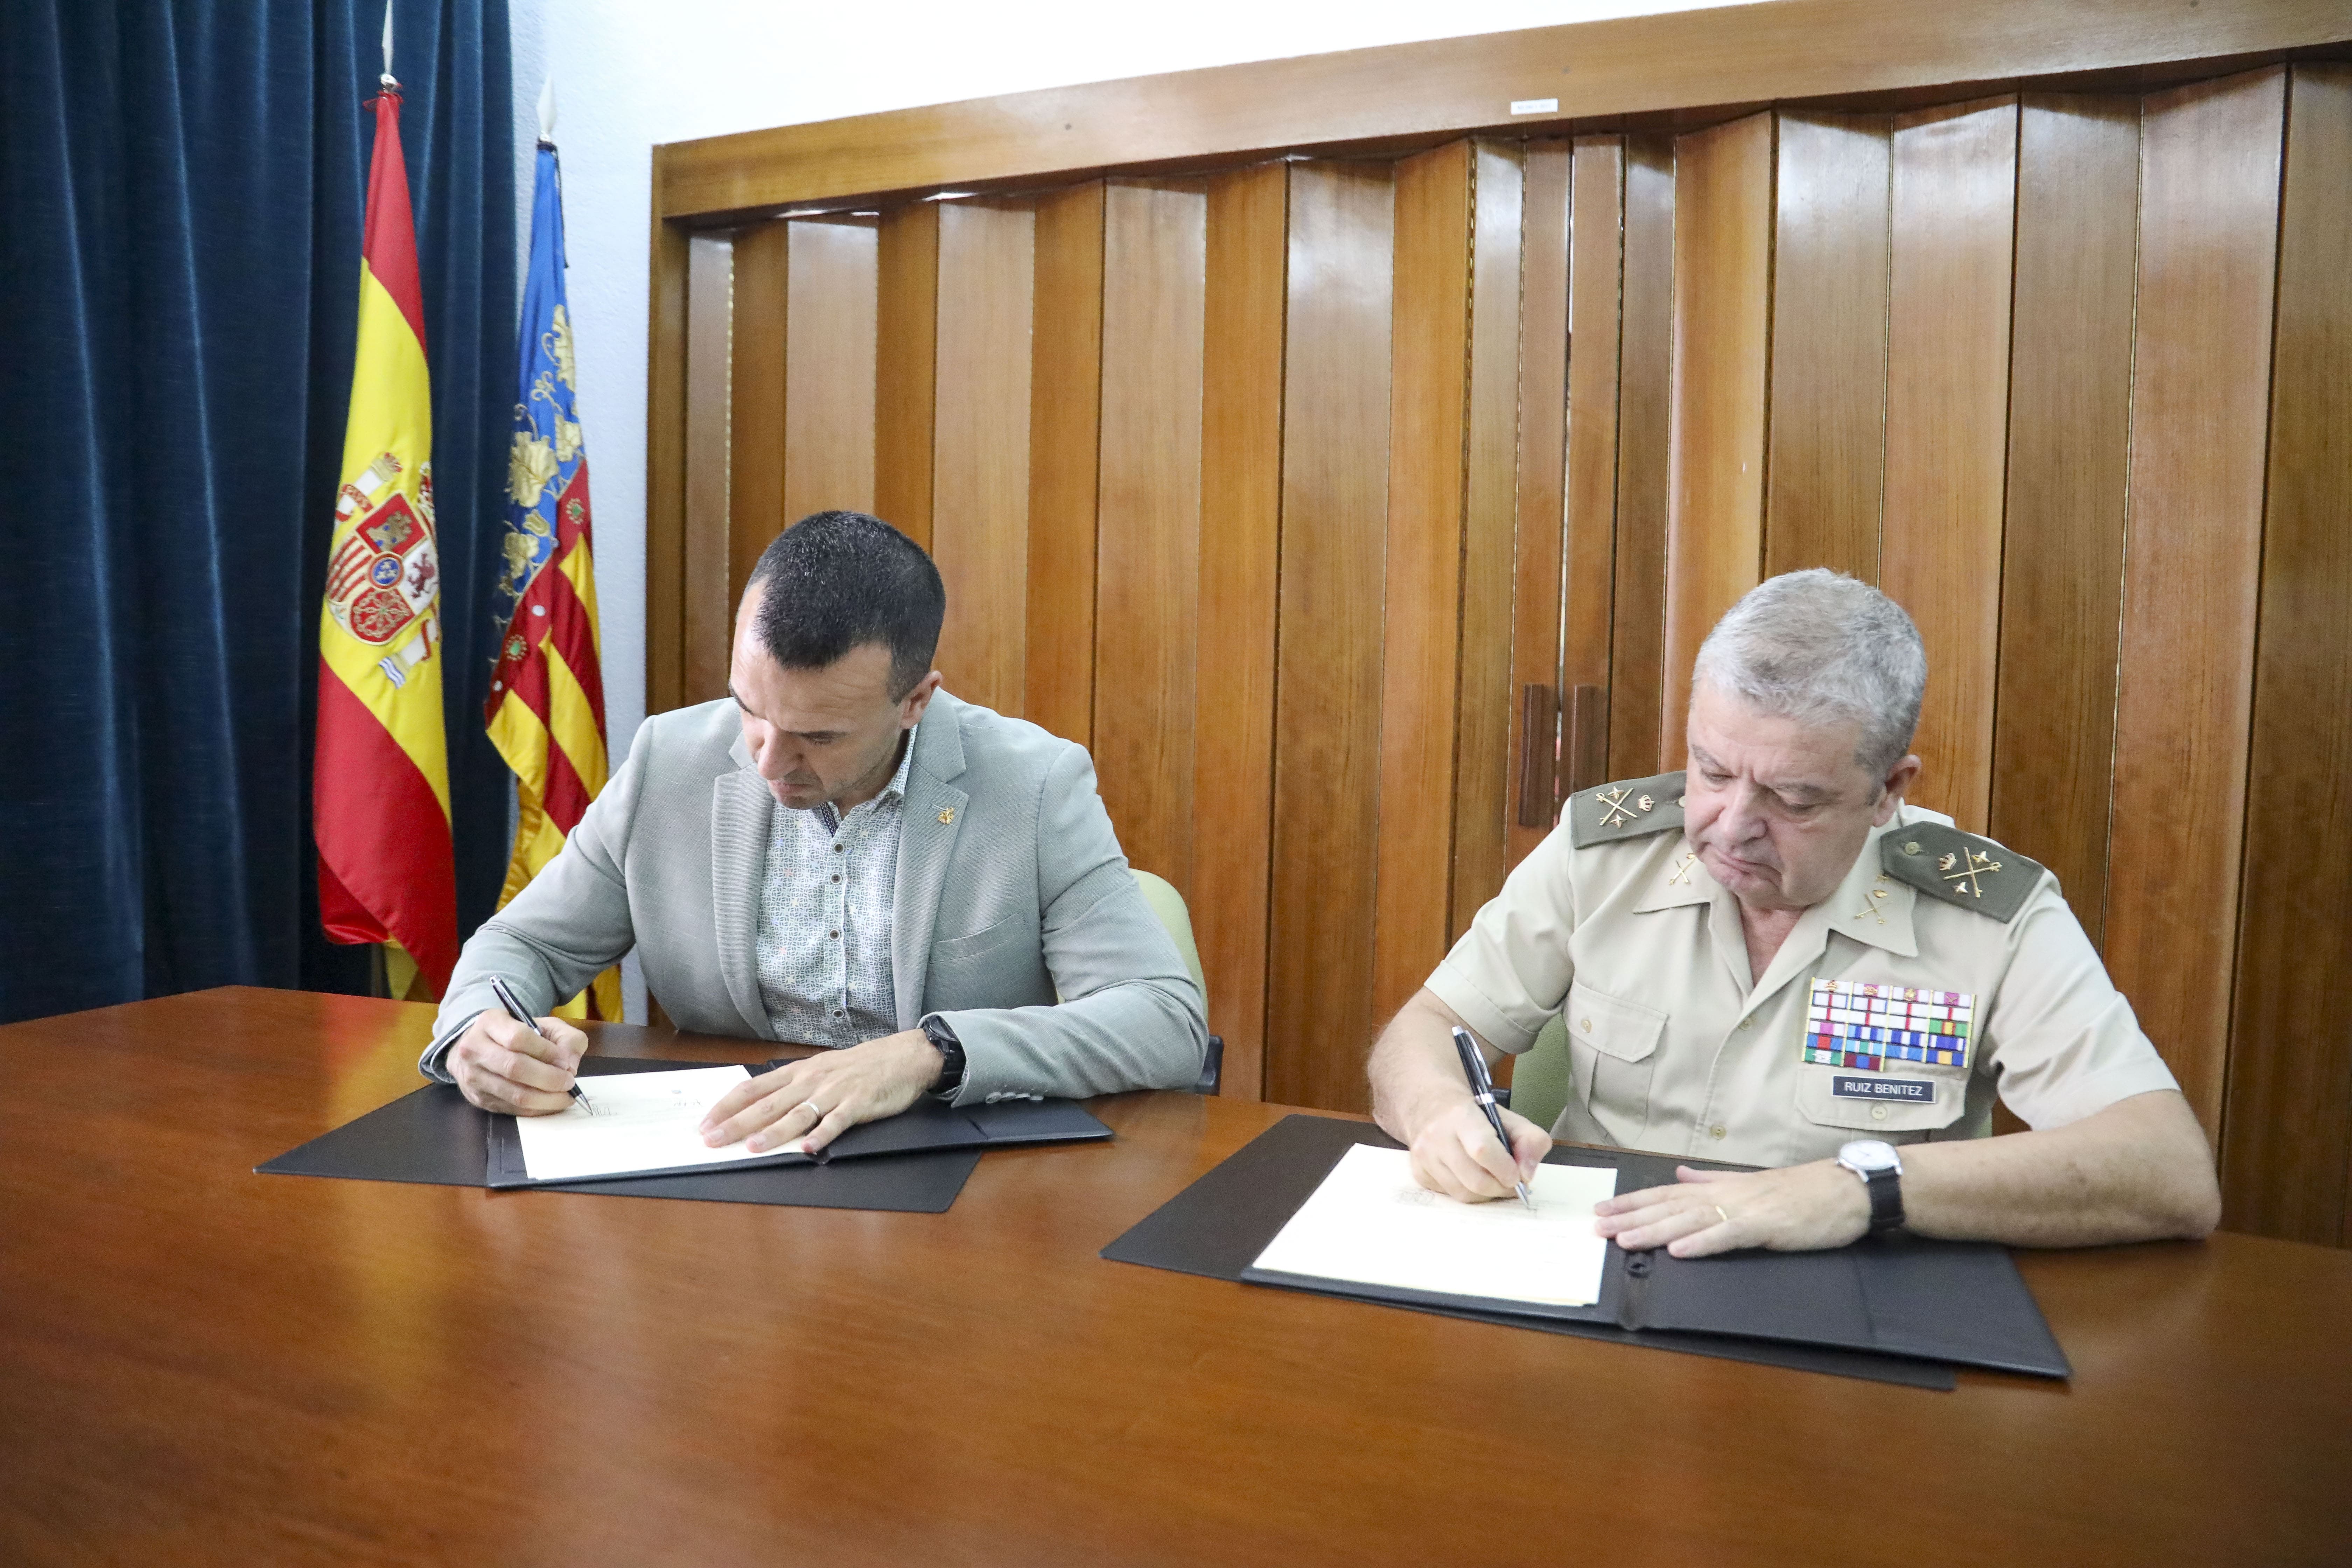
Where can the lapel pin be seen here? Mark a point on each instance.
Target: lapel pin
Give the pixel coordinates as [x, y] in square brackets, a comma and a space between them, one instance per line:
[947, 813]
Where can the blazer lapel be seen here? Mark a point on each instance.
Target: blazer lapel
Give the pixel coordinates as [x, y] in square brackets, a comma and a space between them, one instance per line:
[741, 807]
[932, 816]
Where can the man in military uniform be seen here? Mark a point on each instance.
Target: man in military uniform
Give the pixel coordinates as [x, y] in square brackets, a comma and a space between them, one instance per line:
[1772, 959]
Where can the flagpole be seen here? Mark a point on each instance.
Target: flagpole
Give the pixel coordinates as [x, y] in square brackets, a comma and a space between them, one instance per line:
[388, 78]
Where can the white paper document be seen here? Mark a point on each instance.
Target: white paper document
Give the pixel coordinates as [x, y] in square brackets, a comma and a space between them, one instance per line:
[1369, 1223]
[642, 1121]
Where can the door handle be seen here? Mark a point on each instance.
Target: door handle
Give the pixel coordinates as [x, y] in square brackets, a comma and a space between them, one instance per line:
[1538, 748]
[1588, 738]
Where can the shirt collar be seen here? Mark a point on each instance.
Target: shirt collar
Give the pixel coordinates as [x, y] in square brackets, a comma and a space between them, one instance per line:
[831, 816]
[1868, 905]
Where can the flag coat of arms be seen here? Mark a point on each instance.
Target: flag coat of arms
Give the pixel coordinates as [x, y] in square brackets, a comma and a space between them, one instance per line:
[546, 707]
[380, 788]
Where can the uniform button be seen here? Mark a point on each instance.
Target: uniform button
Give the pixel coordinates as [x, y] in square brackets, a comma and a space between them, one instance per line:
[837, 876]
[834, 934]
[1719, 1132]
[1746, 1021]
[840, 850]
[1878, 1114]
[1585, 1025]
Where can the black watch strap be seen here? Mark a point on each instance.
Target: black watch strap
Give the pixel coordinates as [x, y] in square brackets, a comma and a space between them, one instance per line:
[1885, 1199]
[942, 1037]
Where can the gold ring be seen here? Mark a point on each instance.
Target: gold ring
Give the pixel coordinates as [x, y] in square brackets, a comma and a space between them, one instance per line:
[1724, 1217]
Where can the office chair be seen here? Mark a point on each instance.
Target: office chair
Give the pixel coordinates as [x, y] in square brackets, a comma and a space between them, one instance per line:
[1539, 1078]
[1169, 905]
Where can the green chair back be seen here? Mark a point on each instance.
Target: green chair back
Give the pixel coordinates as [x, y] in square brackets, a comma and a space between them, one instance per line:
[1539, 1078]
[1169, 905]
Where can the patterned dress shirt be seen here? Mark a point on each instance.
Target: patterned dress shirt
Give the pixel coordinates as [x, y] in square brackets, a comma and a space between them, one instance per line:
[825, 901]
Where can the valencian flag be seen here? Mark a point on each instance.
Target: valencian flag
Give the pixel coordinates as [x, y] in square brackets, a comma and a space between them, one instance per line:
[380, 783]
[546, 709]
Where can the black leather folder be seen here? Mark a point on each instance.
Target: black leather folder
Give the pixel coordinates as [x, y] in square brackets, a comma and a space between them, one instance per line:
[433, 1136]
[923, 1127]
[1896, 1308]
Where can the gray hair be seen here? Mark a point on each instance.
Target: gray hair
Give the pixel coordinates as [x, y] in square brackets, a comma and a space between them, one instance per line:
[1818, 646]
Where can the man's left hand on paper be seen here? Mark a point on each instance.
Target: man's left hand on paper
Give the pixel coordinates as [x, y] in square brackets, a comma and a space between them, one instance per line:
[815, 1101]
[1797, 1208]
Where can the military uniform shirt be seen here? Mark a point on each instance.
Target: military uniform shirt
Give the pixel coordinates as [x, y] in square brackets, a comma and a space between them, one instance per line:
[1674, 1047]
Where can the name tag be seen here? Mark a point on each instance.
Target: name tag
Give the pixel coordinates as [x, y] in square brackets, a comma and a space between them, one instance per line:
[1917, 1091]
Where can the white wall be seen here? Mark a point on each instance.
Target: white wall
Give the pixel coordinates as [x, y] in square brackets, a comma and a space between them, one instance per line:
[632, 73]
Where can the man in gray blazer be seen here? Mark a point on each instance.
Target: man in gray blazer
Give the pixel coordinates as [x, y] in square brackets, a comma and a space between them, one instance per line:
[841, 854]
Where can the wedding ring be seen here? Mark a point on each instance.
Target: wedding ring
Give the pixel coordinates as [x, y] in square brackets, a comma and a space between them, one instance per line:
[1719, 1209]
[811, 1108]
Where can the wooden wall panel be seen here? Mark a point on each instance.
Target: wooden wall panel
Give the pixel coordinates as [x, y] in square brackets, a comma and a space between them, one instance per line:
[1327, 757]
[1542, 506]
[829, 367]
[1486, 618]
[755, 409]
[1589, 529]
[707, 623]
[1955, 206]
[1147, 642]
[2069, 452]
[1828, 443]
[1422, 645]
[2209, 158]
[1241, 525]
[2287, 1142]
[979, 499]
[1644, 447]
[1723, 265]
[906, 366]
[1066, 440]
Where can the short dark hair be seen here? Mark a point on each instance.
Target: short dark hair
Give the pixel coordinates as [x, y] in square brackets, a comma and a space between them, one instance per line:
[838, 580]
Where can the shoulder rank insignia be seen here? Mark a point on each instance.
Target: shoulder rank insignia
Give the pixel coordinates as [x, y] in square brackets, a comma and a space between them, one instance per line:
[1959, 868]
[1634, 809]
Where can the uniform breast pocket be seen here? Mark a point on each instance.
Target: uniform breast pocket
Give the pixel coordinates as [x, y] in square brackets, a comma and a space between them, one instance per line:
[1887, 1061]
[1912, 1099]
[1000, 965]
[1613, 1053]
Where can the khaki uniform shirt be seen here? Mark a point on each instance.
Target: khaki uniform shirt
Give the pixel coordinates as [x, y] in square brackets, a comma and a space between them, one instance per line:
[1674, 1047]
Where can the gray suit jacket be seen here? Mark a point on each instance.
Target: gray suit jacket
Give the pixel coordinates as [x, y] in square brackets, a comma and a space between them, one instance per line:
[1011, 889]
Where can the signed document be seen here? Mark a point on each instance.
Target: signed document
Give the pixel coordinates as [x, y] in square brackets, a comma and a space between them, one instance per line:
[641, 1122]
[1369, 1223]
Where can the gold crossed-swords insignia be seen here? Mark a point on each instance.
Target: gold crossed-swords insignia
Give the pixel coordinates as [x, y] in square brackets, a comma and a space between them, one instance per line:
[1682, 871]
[1877, 894]
[1614, 808]
[1967, 876]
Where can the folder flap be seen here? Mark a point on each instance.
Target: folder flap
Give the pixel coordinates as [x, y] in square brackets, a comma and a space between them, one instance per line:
[432, 1136]
[1897, 1294]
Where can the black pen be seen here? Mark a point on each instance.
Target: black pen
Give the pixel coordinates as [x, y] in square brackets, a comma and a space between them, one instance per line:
[1482, 1089]
[514, 1011]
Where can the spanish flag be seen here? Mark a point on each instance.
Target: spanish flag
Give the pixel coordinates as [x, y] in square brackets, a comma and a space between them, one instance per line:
[379, 789]
[546, 707]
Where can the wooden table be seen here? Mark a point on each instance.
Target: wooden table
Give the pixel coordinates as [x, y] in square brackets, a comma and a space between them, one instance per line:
[199, 1364]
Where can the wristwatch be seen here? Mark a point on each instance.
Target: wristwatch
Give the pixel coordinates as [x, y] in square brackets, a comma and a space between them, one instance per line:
[1881, 1171]
[952, 1065]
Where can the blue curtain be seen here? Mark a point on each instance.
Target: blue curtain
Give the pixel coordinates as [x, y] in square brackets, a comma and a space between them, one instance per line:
[181, 188]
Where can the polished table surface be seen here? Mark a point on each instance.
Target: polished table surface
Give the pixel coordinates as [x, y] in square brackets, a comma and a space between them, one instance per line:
[200, 1364]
